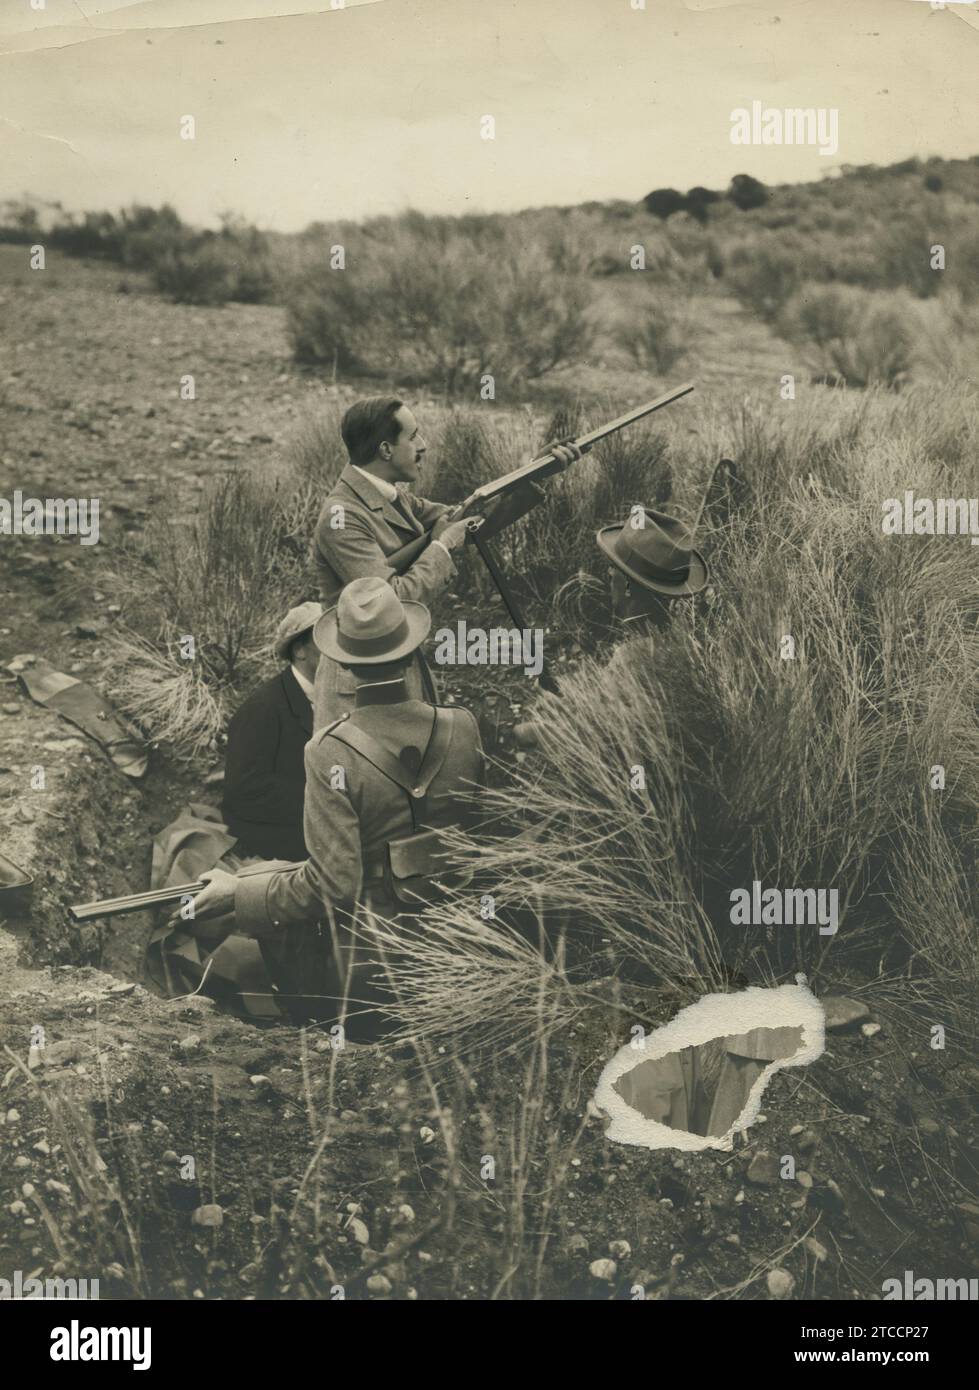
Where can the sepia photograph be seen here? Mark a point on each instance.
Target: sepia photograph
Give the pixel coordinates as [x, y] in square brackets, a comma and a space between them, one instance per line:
[489, 632]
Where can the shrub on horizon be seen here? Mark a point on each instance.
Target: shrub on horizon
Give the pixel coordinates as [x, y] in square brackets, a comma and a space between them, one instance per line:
[664, 202]
[746, 192]
[426, 302]
[859, 337]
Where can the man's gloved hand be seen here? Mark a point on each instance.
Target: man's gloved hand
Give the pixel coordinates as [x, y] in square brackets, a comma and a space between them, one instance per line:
[450, 531]
[215, 900]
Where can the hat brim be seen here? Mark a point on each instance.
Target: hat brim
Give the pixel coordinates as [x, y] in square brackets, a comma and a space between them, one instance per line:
[695, 581]
[281, 649]
[326, 635]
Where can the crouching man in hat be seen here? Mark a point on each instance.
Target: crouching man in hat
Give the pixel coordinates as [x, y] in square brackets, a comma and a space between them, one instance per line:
[652, 564]
[381, 783]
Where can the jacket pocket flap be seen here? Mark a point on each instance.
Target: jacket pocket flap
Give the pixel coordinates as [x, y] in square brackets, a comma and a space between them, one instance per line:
[418, 856]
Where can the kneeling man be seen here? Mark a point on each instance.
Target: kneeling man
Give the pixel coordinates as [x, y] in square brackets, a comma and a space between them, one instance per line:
[380, 784]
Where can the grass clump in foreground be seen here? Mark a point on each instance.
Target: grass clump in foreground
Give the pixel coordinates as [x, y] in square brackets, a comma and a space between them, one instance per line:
[815, 771]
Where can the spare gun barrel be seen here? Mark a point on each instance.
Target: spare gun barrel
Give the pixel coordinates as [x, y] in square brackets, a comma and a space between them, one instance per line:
[134, 902]
[162, 897]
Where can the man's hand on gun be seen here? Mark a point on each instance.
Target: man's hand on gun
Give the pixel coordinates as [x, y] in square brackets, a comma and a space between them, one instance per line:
[451, 530]
[566, 452]
[458, 525]
[512, 505]
[216, 899]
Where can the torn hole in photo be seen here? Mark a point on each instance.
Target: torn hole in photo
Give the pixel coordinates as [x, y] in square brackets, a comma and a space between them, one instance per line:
[699, 1078]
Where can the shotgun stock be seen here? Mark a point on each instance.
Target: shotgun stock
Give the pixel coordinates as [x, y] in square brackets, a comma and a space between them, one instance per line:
[404, 558]
[520, 486]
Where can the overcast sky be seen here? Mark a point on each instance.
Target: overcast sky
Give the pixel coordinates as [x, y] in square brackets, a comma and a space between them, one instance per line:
[376, 106]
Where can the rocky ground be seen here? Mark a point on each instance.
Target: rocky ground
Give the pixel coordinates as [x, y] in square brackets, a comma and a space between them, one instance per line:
[173, 1151]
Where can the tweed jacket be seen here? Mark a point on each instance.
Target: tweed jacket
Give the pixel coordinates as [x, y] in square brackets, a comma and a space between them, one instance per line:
[352, 811]
[357, 529]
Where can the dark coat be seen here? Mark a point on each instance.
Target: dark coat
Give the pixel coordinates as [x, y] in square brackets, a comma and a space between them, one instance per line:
[265, 774]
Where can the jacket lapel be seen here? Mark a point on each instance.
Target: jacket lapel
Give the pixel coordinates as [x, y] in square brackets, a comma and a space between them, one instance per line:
[405, 521]
[371, 497]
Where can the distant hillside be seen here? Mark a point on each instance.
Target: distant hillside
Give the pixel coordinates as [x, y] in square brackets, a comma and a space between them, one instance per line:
[838, 266]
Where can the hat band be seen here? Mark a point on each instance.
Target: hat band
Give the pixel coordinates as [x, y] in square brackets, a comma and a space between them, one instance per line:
[374, 646]
[678, 574]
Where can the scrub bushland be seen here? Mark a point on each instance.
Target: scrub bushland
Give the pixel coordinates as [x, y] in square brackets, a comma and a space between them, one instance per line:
[810, 722]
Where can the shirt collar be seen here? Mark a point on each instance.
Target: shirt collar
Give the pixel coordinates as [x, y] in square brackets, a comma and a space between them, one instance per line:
[304, 683]
[382, 692]
[387, 490]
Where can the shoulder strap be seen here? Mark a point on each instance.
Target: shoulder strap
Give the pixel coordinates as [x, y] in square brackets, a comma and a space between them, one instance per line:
[391, 767]
[318, 735]
[438, 747]
[375, 753]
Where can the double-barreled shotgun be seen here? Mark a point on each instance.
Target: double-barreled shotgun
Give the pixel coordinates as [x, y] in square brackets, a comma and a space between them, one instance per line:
[156, 897]
[515, 494]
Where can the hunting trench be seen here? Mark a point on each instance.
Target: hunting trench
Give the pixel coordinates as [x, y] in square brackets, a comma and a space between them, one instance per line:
[312, 1169]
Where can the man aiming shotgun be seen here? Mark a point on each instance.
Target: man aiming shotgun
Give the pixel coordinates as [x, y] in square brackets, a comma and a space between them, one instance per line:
[370, 517]
[371, 525]
[517, 492]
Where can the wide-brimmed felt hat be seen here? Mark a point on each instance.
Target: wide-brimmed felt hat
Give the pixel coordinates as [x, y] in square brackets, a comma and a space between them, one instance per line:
[371, 625]
[658, 555]
[296, 622]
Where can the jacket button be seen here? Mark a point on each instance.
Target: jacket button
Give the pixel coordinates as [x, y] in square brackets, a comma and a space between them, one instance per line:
[418, 791]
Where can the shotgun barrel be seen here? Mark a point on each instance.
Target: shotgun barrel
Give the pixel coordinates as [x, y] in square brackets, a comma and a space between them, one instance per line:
[135, 902]
[523, 480]
[163, 897]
